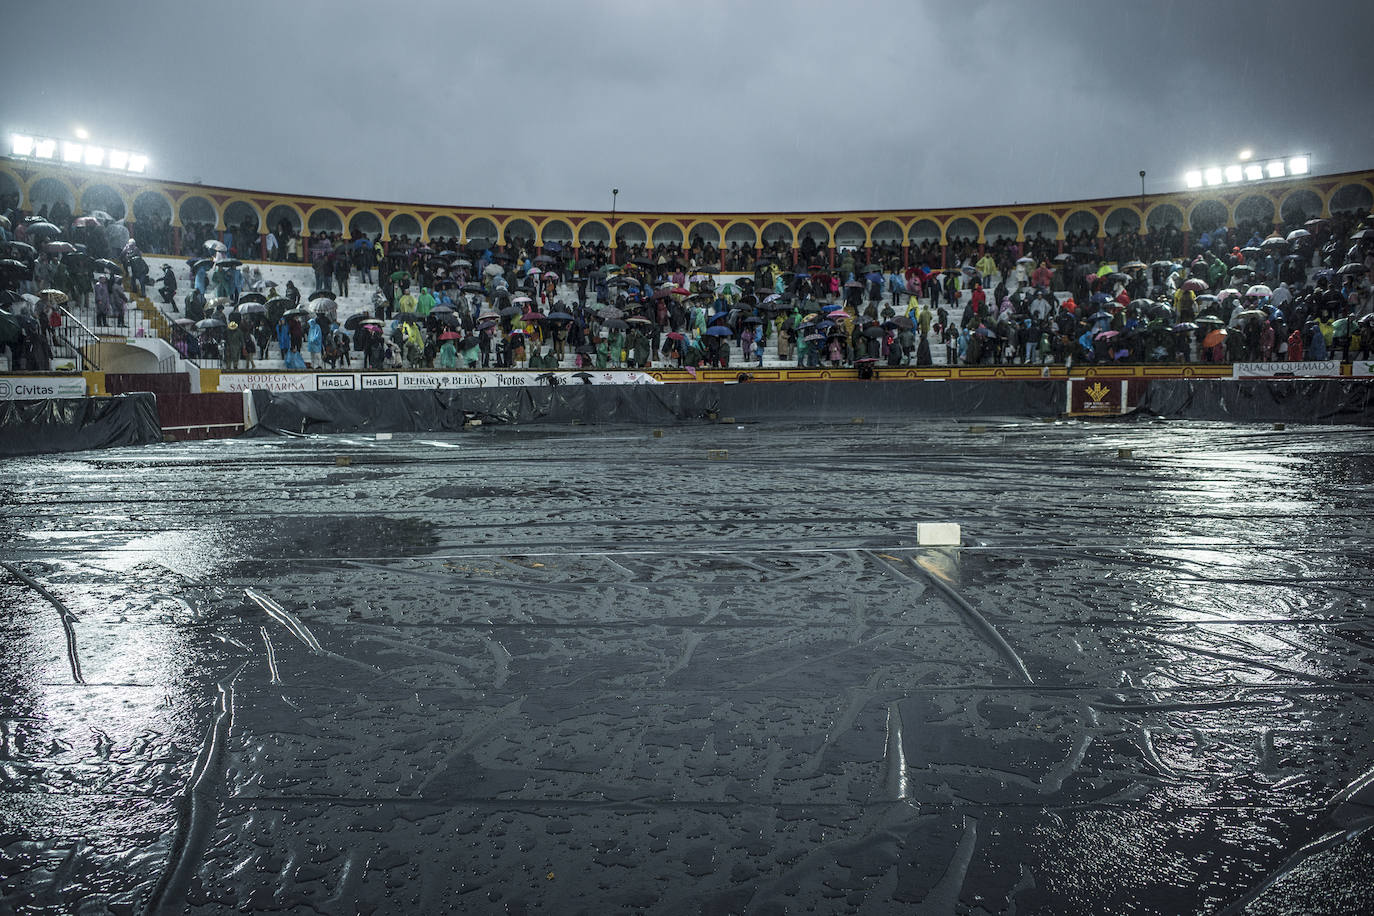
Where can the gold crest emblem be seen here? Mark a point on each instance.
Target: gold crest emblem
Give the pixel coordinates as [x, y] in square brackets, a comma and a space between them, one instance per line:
[1098, 392]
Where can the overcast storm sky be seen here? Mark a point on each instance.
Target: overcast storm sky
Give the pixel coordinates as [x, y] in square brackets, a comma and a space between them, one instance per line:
[697, 105]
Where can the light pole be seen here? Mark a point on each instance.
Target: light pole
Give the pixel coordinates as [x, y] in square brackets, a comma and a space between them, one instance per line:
[1142, 201]
[614, 193]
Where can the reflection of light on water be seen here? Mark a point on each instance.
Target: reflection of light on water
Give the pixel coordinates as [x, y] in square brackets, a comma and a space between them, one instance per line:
[194, 553]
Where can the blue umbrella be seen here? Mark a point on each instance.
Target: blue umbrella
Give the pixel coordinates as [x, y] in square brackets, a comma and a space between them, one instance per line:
[717, 330]
[558, 316]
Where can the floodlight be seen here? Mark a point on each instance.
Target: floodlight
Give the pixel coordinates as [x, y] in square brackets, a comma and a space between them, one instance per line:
[1234, 173]
[44, 148]
[21, 144]
[1254, 172]
[72, 152]
[94, 155]
[1297, 165]
[1275, 169]
[119, 159]
[1193, 179]
[138, 163]
[1213, 175]
[1246, 154]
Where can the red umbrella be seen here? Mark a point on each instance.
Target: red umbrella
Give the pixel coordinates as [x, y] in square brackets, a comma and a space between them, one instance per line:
[450, 335]
[1196, 284]
[1214, 338]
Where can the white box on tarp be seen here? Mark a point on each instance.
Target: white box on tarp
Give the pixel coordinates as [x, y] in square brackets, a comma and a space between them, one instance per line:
[937, 534]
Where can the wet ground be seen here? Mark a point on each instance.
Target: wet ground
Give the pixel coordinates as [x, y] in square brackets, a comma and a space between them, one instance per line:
[596, 671]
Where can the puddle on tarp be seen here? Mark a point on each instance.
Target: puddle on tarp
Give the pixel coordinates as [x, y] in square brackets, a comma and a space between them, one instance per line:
[520, 673]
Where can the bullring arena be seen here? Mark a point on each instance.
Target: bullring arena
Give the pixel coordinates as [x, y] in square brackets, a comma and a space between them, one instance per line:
[885, 612]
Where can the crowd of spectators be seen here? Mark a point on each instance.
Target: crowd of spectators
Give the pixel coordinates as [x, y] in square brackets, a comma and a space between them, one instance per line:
[1248, 292]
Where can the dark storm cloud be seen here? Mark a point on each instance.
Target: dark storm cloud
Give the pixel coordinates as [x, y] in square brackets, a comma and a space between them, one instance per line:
[708, 105]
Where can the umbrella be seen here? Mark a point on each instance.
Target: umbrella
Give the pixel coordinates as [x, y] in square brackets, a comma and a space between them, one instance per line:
[252, 297]
[13, 267]
[903, 322]
[1061, 258]
[251, 308]
[52, 296]
[59, 248]
[610, 311]
[1196, 284]
[206, 323]
[511, 311]
[544, 259]
[1274, 241]
[356, 319]
[320, 294]
[1134, 265]
[1351, 268]
[616, 324]
[1184, 326]
[493, 270]
[1298, 234]
[642, 320]
[1214, 337]
[520, 300]
[229, 263]
[1210, 320]
[1259, 289]
[280, 303]
[719, 330]
[1242, 269]
[558, 316]
[839, 316]
[450, 335]
[184, 322]
[214, 245]
[45, 229]
[873, 332]
[325, 304]
[295, 313]
[1106, 335]
[21, 249]
[1250, 313]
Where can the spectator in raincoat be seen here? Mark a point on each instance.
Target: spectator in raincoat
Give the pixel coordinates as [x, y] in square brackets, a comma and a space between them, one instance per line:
[424, 303]
[986, 266]
[314, 343]
[406, 303]
[283, 337]
[448, 355]
[292, 293]
[233, 345]
[223, 286]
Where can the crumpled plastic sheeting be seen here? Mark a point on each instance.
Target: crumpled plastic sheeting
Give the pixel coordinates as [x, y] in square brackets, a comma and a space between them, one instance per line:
[426, 411]
[76, 424]
[1262, 400]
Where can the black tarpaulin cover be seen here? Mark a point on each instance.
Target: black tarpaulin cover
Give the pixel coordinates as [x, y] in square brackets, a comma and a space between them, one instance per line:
[75, 424]
[427, 411]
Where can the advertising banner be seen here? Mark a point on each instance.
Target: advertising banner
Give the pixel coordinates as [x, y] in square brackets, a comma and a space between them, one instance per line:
[40, 388]
[1095, 396]
[1326, 368]
[420, 380]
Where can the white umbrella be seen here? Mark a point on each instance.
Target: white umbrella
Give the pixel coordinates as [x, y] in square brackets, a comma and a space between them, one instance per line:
[214, 245]
[1259, 289]
[493, 270]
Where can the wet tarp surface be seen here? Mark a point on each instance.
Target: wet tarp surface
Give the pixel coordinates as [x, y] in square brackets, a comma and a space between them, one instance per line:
[76, 424]
[1266, 400]
[570, 670]
[419, 411]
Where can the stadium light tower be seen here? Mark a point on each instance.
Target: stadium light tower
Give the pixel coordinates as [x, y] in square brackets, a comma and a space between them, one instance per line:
[77, 152]
[1249, 168]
